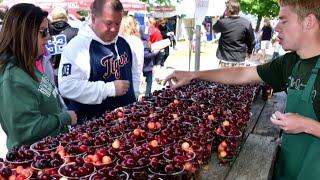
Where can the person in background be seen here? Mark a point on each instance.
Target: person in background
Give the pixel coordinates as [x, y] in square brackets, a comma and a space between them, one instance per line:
[61, 33]
[163, 28]
[32, 106]
[265, 36]
[155, 36]
[149, 56]
[276, 48]
[130, 30]
[96, 68]
[59, 24]
[2, 14]
[296, 73]
[171, 24]
[237, 38]
[74, 19]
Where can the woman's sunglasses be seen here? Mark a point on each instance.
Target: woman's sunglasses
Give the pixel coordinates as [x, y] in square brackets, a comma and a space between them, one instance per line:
[44, 32]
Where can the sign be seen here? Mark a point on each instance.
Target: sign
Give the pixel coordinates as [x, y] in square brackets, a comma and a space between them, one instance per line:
[51, 4]
[160, 44]
[201, 11]
[134, 6]
[128, 5]
[163, 8]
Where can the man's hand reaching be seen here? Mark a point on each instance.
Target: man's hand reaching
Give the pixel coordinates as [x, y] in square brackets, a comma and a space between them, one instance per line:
[121, 86]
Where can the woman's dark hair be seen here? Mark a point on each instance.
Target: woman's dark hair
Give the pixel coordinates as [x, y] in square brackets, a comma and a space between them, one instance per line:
[19, 37]
[98, 5]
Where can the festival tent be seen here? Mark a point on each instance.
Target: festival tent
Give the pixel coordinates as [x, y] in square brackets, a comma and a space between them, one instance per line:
[129, 5]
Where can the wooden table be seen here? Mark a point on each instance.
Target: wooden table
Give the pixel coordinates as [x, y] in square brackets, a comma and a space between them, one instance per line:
[258, 153]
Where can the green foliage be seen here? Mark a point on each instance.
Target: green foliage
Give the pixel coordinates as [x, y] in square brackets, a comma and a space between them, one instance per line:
[83, 13]
[262, 8]
[159, 2]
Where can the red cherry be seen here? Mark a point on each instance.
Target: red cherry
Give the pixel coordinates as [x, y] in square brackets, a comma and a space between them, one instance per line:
[224, 144]
[119, 114]
[225, 123]
[154, 143]
[185, 146]
[175, 101]
[211, 117]
[137, 132]
[169, 168]
[188, 166]
[83, 148]
[223, 154]
[158, 125]
[101, 152]
[219, 131]
[151, 125]
[106, 160]
[116, 144]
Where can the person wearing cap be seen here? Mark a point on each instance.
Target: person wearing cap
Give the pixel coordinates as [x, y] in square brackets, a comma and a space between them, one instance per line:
[96, 68]
[61, 32]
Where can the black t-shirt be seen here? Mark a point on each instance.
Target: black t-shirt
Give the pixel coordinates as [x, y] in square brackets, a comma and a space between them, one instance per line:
[266, 33]
[236, 39]
[278, 74]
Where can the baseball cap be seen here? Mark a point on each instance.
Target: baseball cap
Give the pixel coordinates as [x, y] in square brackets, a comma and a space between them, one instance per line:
[59, 14]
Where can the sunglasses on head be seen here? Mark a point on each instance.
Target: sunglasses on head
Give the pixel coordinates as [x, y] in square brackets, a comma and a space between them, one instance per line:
[44, 32]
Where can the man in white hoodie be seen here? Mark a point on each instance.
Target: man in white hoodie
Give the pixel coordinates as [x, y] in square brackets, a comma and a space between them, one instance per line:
[96, 71]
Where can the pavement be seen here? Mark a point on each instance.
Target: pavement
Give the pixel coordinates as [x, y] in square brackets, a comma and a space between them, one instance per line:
[179, 60]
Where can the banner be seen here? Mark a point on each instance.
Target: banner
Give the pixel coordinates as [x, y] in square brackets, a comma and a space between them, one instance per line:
[128, 5]
[201, 10]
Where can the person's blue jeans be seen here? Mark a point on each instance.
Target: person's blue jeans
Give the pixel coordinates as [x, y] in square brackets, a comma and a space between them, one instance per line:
[148, 75]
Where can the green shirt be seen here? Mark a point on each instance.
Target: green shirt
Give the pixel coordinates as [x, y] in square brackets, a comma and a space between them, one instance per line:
[30, 110]
[278, 75]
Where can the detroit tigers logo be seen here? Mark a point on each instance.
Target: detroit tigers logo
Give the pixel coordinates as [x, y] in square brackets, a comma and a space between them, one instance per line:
[113, 65]
[66, 69]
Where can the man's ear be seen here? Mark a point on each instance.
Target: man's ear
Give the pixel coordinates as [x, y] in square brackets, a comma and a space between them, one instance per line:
[310, 21]
[93, 18]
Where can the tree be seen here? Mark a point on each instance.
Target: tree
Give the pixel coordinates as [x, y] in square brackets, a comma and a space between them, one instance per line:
[260, 8]
[160, 2]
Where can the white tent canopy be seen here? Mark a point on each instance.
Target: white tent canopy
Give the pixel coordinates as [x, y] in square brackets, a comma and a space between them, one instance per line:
[216, 8]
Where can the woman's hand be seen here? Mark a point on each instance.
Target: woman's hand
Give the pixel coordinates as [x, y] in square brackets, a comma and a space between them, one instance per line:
[74, 118]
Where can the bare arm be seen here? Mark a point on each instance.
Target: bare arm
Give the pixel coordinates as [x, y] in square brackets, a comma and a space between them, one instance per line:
[238, 75]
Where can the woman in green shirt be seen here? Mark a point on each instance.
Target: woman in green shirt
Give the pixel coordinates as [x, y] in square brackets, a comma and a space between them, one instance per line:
[29, 101]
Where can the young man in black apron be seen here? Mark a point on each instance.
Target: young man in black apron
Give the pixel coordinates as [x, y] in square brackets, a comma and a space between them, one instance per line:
[296, 73]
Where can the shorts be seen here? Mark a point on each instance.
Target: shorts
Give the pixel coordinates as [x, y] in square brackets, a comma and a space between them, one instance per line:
[223, 64]
[265, 44]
